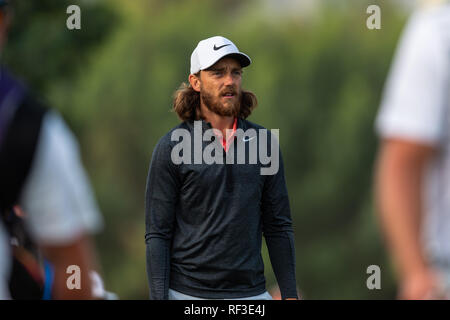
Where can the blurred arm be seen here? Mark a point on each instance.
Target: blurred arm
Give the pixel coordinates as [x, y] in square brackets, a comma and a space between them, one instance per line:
[399, 183]
[77, 253]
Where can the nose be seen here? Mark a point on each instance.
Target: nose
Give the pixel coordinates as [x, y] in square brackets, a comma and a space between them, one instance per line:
[229, 79]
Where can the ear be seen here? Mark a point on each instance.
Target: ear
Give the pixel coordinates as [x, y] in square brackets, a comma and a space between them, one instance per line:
[195, 82]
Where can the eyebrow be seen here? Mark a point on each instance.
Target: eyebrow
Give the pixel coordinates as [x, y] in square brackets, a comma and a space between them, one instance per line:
[215, 69]
[222, 69]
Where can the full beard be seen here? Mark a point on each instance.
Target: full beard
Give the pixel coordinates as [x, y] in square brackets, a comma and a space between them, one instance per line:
[214, 104]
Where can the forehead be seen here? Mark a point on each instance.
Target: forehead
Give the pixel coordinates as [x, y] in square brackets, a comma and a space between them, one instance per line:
[226, 62]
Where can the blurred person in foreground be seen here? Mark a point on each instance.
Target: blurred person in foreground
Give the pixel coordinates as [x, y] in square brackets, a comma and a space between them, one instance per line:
[40, 169]
[205, 221]
[413, 167]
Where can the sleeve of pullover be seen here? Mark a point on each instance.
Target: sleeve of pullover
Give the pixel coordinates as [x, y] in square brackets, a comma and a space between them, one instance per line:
[278, 232]
[161, 197]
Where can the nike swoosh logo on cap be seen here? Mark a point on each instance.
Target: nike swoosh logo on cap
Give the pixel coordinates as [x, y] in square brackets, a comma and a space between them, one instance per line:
[217, 48]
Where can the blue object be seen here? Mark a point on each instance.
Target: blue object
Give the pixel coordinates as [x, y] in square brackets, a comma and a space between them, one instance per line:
[48, 280]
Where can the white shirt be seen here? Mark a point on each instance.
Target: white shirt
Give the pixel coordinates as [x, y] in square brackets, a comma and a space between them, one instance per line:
[57, 196]
[416, 107]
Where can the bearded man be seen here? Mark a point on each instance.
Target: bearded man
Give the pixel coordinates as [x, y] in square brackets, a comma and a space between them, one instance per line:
[205, 221]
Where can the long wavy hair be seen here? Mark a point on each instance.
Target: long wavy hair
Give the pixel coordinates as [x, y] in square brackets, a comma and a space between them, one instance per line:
[186, 103]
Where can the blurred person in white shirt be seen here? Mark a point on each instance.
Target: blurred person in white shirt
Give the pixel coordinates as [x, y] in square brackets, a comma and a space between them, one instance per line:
[413, 167]
[41, 170]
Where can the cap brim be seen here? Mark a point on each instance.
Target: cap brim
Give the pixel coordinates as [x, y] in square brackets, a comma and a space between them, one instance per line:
[243, 59]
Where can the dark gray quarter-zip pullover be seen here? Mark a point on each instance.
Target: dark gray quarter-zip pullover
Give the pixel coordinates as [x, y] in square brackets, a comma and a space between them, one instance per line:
[205, 222]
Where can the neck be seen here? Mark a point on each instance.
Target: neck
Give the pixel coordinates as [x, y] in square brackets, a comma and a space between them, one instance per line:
[219, 122]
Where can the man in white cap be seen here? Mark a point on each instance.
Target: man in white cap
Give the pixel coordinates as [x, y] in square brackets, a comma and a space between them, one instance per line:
[204, 222]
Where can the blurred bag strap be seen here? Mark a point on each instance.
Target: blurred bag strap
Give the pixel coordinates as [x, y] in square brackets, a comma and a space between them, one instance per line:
[21, 117]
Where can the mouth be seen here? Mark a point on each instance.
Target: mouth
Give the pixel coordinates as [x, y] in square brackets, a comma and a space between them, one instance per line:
[228, 95]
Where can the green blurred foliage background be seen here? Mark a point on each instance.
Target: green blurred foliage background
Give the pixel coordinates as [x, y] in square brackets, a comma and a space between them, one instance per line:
[318, 77]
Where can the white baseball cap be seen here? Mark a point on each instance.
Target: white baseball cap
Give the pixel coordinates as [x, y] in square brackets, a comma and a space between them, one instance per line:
[211, 50]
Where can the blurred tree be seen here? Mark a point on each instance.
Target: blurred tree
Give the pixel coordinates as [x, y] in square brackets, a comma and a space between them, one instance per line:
[42, 50]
